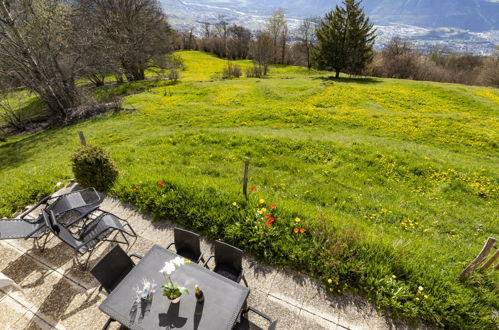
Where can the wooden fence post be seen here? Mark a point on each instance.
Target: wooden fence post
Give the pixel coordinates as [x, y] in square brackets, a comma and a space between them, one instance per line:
[490, 262]
[489, 244]
[245, 178]
[82, 138]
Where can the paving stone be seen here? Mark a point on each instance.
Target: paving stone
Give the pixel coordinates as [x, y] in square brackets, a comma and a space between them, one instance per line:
[158, 232]
[318, 301]
[25, 267]
[288, 316]
[313, 321]
[8, 254]
[257, 299]
[257, 275]
[55, 254]
[22, 245]
[287, 286]
[83, 312]
[10, 312]
[30, 321]
[84, 278]
[124, 211]
[353, 311]
[108, 204]
[141, 246]
[46, 292]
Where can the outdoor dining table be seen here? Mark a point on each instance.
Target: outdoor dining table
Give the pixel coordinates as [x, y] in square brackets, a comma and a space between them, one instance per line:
[223, 298]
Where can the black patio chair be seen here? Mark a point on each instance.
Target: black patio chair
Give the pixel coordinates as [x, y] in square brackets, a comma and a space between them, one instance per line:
[111, 269]
[82, 202]
[246, 324]
[228, 262]
[91, 236]
[187, 244]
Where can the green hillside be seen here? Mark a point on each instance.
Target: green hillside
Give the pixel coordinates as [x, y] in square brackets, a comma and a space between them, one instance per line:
[392, 177]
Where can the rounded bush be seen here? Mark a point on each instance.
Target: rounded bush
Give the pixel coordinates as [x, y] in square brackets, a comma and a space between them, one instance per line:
[92, 167]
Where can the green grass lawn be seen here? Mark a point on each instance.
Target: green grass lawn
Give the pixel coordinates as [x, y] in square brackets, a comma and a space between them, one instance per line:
[407, 171]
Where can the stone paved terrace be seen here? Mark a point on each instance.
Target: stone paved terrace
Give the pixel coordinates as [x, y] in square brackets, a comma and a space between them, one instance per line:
[57, 294]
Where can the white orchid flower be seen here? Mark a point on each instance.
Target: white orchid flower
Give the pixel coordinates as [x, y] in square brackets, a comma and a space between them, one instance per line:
[168, 269]
[420, 288]
[178, 261]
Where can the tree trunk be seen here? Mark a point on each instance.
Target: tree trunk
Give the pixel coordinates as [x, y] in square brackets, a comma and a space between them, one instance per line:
[309, 65]
[337, 73]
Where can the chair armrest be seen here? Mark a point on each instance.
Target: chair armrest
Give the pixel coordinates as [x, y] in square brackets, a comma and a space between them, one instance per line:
[136, 256]
[206, 262]
[28, 211]
[265, 316]
[169, 245]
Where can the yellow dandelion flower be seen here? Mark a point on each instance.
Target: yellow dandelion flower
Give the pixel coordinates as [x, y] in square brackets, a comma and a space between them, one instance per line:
[330, 281]
[331, 289]
[425, 296]
[234, 204]
[297, 219]
[264, 209]
[262, 201]
[417, 299]
[394, 277]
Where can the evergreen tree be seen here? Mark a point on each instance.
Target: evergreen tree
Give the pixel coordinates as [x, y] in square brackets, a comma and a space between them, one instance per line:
[346, 38]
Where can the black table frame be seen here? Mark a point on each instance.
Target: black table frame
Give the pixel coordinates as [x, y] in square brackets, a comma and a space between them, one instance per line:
[122, 291]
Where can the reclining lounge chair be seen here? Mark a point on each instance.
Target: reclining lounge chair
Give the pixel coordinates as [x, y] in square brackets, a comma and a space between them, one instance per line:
[92, 235]
[82, 202]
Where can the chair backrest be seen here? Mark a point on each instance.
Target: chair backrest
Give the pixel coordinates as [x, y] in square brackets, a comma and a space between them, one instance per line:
[186, 241]
[228, 255]
[112, 268]
[75, 200]
[60, 231]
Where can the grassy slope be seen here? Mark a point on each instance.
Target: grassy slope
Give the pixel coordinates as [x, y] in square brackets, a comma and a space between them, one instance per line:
[413, 164]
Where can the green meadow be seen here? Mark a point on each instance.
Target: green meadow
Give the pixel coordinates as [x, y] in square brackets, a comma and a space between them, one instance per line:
[395, 181]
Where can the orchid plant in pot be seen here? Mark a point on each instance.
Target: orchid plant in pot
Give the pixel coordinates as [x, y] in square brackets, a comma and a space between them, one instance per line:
[170, 290]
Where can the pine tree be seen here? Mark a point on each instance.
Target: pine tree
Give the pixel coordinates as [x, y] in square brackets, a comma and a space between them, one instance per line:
[346, 39]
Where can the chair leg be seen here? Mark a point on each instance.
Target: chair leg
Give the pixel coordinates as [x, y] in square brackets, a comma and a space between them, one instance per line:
[37, 242]
[107, 324]
[245, 282]
[83, 266]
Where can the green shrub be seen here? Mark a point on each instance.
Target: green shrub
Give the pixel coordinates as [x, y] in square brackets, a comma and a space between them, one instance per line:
[232, 71]
[93, 167]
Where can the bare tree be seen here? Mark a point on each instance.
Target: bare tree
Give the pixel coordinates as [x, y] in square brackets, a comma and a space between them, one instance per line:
[238, 42]
[8, 114]
[36, 39]
[222, 31]
[206, 30]
[261, 53]
[307, 36]
[277, 29]
[490, 70]
[137, 31]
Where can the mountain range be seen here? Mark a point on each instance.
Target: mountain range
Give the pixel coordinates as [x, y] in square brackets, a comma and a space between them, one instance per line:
[473, 15]
[465, 26]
